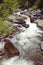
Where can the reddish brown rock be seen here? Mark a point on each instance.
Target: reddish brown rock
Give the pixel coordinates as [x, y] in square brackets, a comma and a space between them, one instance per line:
[10, 49]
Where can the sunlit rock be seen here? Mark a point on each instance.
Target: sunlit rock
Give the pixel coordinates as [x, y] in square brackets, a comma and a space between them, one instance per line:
[40, 23]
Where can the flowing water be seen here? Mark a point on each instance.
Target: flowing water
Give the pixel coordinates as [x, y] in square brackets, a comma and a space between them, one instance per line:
[28, 43]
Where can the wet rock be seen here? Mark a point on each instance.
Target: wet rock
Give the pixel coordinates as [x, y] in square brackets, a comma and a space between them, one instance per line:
[10, 36]
[25, 25]
[42, 46]
[32, 19]
[37, 12]
[17, 28]
[20, 21]
[10, 49]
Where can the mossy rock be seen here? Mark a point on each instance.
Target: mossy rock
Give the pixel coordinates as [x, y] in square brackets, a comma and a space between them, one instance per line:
[40, 23]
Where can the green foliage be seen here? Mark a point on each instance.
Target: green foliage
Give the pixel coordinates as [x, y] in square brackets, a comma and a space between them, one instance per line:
[36, 4]
[42, 9]
[27, 3]
[5, 1]
[5, 27]
[4, 10]
[9, 6]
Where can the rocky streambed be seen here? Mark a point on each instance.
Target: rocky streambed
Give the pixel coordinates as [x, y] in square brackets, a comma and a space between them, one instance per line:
[25, 45]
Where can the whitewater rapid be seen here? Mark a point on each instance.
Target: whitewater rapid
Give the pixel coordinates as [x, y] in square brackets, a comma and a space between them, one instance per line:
[27, 42]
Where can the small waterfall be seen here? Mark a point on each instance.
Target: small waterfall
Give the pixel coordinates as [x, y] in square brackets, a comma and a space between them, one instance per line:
[27, 42]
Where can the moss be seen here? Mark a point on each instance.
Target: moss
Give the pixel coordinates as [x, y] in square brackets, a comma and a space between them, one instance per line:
[5, 27]
[40, 22]
[34, 7]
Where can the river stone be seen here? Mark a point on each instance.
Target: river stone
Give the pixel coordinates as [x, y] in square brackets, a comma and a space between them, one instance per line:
[32, 18]
[20, 21]
[42, 46]
[40, 23]
[10, 36]
[25, 25]
[10, 49]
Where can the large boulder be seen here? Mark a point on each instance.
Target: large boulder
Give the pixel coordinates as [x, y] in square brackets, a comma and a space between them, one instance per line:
[10, 49]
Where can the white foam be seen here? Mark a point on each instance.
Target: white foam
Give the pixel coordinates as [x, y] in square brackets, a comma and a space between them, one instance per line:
[1, 45]
[27, 40]
[17, 62]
